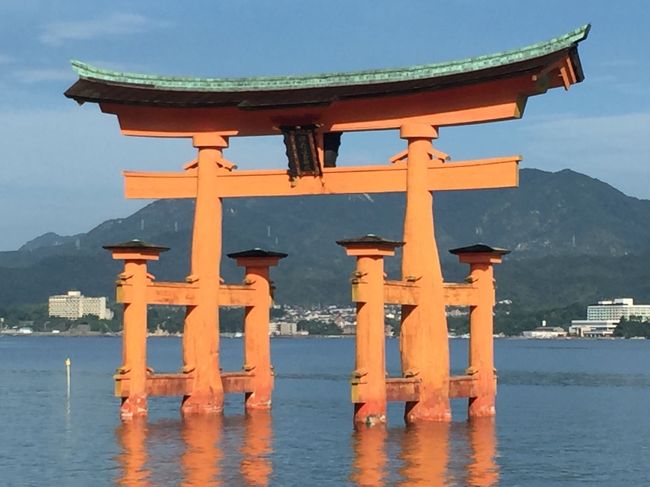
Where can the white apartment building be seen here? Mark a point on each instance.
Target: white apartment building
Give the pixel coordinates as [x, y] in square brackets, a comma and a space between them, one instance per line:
[74, 305]
[616, 309]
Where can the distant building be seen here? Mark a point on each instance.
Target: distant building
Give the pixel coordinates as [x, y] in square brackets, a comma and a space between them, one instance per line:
[74, 305]
[288, 328]
[593, 328]
[616, 309]
[545, 332]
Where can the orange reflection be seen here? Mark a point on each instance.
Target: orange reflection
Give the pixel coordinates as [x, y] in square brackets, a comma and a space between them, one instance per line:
[370, 458]
[201, 434]
[424, 453]
[256, 466]
[482, 471]
[131, 436]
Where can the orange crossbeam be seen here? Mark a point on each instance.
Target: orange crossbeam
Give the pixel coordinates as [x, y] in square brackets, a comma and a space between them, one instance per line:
[401, 389]
[184, 294]
[408, 293]
[499, 172]
[400, 292]
[181, 384]
[460, 294]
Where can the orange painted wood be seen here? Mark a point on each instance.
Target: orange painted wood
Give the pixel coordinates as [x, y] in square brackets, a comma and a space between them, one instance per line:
[237, 295]
[156, 384]
[171, 293]
[424, 344]
[460, 294]
[462, 386]
[402, 389]
[184, 294]
[257, 344]
[481, 341]
[160, 184]
[369, 380]
[503, 99]
[134, 340]
[237, 382]
[201, 329]
[181, 384]
[500, 172]
[399, 292]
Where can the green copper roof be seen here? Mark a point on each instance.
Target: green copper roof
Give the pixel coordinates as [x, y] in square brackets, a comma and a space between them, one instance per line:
[327, 80]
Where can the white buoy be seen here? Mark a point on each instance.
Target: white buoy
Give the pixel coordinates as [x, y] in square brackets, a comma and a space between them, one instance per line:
[67, 373]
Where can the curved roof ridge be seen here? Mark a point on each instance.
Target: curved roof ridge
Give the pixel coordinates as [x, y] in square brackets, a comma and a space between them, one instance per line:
[326, 80]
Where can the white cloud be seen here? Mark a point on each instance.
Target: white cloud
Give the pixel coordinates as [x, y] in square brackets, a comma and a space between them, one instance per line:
[111, 26]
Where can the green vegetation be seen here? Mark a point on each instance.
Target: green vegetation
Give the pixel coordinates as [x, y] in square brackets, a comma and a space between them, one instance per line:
[575, 240]
[318, 327]
[633, 327]
[36, 317]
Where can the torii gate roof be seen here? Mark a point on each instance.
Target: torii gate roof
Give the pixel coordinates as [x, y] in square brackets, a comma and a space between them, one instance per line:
[326, 98]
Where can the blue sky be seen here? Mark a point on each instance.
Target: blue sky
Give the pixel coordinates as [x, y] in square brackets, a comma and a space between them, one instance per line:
[61, 164]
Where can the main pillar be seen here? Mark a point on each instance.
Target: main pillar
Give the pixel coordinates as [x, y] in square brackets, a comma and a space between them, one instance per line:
[481, 260]
[369, 378]
[133, 370]
[257, 346]
[201, 331]
[424, 345]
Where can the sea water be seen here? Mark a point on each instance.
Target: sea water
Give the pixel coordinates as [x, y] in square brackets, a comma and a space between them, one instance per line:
[569, 412]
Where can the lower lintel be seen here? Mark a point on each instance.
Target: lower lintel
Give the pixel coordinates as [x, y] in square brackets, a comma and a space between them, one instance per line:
[463, 175]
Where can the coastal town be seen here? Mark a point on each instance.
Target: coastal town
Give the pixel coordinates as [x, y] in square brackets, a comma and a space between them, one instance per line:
[73, 314]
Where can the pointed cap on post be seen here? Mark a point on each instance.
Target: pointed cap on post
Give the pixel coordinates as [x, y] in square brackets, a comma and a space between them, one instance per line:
[369, 245]
[479, 254]
[257, 257]
[135, 250]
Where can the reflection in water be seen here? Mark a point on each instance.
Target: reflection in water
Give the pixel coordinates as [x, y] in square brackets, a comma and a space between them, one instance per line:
[131, 436]
[256, 466]
[483, 470]
[370, 458]
[200, 461]
[145, 448]
[425, 451]
[424, 454]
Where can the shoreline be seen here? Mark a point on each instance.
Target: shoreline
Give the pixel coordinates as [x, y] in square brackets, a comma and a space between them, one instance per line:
[233, 336]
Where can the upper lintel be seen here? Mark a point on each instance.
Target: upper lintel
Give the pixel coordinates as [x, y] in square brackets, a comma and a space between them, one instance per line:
[325, 98]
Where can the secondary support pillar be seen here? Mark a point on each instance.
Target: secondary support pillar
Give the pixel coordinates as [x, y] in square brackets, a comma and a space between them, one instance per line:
[133, 371]
[481, 259]
[368, 382]
[424, 345]
[201, 331]
[257, 346]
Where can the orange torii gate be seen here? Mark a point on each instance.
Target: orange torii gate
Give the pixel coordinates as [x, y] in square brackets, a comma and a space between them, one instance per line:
[311, 112]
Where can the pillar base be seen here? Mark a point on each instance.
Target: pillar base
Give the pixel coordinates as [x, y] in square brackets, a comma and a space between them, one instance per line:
[133, 407]
[257, 402]
[367, 414]
[481, 407]
[427, 411]
[202, 403]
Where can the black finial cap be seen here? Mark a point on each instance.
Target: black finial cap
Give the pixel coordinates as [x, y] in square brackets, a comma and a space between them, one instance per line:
[136, 244]
[370, 240]
[479, 249]
[256, 252]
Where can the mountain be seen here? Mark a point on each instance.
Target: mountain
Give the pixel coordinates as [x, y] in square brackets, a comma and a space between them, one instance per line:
[574, 239]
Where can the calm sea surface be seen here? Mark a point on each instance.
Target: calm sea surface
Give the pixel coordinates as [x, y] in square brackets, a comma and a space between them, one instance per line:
[573, 412]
